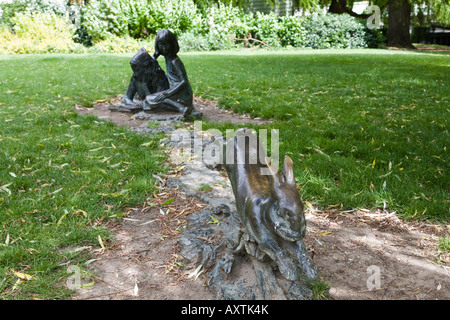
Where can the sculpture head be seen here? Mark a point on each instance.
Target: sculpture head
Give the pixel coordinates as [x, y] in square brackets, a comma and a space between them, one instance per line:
[166, 44]
[286, 213]
[141, 64]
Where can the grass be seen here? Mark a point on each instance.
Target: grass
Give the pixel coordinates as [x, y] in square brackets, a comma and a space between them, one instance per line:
[444, 244]
[62, 174]
[365, 128]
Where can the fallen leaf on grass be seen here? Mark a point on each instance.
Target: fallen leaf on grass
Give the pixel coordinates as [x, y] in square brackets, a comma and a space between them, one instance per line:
[23, 276]
[115, 194]
[84, 213]
[100, 241]
[19, 281]
[62, 217]
[5, 188]
[57, 191]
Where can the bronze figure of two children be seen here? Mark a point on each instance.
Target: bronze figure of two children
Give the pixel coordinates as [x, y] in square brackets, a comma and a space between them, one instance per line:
[159, 91]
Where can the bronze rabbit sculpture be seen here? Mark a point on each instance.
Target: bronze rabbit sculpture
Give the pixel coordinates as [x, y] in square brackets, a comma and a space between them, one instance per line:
[269, 206]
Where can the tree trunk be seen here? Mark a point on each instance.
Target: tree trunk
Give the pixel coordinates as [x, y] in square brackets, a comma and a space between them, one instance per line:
[337, 6]
[398, 26]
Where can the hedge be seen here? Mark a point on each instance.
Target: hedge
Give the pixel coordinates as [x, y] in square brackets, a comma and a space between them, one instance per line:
[122, 25]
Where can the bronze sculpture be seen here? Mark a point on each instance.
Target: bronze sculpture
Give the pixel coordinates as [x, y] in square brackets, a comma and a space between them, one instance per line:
[147, 78]
[161, 92]
[180, 96]
[269, 207]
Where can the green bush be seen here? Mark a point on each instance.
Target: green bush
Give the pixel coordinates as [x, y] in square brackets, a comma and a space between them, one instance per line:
[177, 15]
[138, 14]
[103, 18]
[221, 28]
[209, 42]
[292, 32]
[38, 33]
[115, 44]
[335, 31]
[9, 8]
[114, 26]
[226, 20]
[139, 18]
[225, 24]
[266, 28]
[193, 42]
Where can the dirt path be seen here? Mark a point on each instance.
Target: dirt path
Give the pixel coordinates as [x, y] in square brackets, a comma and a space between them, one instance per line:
[143, 260]
[372, 255]
[360, 254]
[209, 109]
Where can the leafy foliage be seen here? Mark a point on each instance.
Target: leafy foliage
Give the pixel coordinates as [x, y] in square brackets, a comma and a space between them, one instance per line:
[114, 26]
[38, 33]
[104, 18]
[9, 8]
[335, 31]
[219, 25]
[139, 18]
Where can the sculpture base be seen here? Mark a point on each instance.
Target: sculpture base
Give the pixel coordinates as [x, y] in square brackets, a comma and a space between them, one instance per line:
[233, 275]
[211, 237]
[195, 114]
[125, 108]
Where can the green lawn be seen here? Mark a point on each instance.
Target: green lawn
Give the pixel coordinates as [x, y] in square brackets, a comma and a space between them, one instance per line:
[365, 128]
[61, 174]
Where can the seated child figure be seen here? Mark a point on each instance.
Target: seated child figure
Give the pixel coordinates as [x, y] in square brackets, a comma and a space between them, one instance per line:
[147, 78]
[179, 96]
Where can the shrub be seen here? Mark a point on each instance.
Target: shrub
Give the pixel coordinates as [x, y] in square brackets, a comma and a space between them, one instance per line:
[227, 21]
[138, 14]
[9, 8]
[219, 26]
[38, 33]
[225, 24]
[335, 31]
[292, 32]
[278, 31]
[115, 44]
[177, 15]
[139, 18]
[193, 42]
[267, 28]
[209, 42]
[219, 29]
[103, 18]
